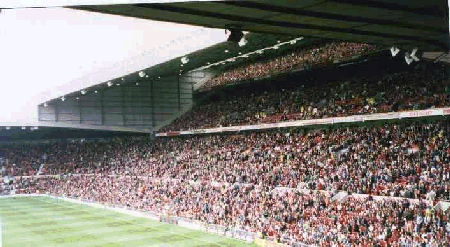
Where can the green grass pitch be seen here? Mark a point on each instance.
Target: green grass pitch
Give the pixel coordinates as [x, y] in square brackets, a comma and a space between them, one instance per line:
[42, 221]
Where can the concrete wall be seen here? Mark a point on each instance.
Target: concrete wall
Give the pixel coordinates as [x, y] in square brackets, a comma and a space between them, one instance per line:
[145, 104]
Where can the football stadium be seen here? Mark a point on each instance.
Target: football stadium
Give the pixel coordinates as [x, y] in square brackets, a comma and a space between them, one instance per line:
[260, 123]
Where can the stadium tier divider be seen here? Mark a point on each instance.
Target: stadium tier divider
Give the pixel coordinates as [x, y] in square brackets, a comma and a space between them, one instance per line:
[321, 121]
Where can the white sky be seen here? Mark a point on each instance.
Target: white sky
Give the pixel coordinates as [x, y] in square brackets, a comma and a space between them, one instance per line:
[46, 53]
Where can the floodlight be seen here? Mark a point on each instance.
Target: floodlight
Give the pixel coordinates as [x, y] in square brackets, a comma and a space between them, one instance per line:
[413, 55]
[243, 42]
[110, 83]
[226, 51]
[83, 92]
[141, 74]
[394, 51]
[184, 60]
[63, 98]
[408, 58]
[45, 104]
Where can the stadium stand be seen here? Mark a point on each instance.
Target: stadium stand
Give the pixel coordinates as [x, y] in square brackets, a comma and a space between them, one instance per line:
[322, 96]
[377, 183]
[368, 184]
[311, 56]
[282, 183]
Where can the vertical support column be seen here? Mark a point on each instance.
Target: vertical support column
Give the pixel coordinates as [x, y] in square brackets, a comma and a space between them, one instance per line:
[102, 106]
[152, 96]
[123, 106]
[39, 116]
[79, 109]
[56, 111]
[179, 93]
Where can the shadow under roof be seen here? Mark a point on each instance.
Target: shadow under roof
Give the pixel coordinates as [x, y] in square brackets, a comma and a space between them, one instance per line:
[405, 23]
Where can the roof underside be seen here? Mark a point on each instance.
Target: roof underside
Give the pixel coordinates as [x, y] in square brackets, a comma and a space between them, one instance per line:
[405, 23]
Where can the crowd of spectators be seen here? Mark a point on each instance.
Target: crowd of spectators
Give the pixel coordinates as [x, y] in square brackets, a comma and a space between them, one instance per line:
[288, 216]
[316, 55]
[423, 88]
[279, 183]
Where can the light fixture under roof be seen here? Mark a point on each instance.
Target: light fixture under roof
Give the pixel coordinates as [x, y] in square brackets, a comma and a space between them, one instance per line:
[45, 104]
[137, 83]
[226, 51]
[409, 58]
[23, 127]
[141, 74]
[413, 55]
[110, 83]
[240, 53]
[208, 63]
[8, 128]
[83, 92]
[123, 79]
[394, 51]
[118, 84]
[159, 77]
[95, 91]
[78, 97]
[63, 98]
[184, 60]
[243, 42]
[181, 65]
[146, 76]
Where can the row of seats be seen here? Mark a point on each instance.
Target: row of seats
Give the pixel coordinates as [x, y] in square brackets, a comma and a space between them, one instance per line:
[310, 56]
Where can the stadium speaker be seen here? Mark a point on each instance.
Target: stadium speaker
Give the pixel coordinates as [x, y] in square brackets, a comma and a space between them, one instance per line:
[235, 35]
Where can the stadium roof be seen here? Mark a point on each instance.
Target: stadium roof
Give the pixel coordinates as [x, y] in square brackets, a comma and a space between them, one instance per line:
[205, 57]
[405, 23]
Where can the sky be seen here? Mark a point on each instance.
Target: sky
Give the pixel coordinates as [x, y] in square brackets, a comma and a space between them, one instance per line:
[48, 52]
